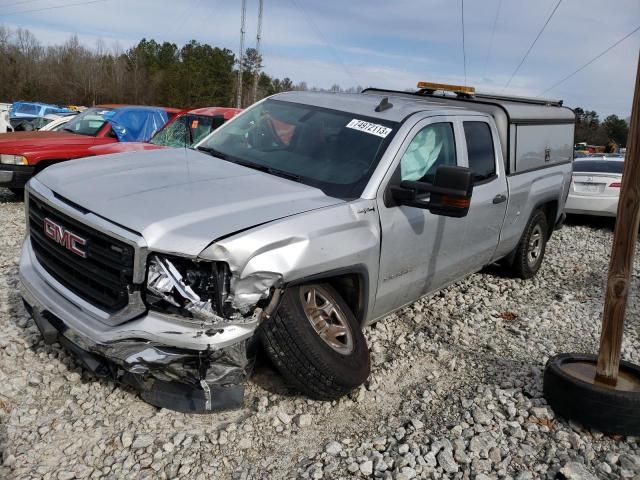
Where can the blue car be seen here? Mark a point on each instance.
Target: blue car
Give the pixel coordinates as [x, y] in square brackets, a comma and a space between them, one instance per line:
[30, 110]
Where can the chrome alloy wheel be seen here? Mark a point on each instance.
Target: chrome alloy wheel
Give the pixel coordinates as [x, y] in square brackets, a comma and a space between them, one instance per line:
[534, 249]
[326, 318]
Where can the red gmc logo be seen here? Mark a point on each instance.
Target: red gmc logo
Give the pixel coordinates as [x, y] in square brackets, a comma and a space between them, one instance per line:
[67, 239]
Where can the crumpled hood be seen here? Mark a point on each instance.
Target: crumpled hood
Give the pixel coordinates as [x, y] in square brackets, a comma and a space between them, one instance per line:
[180, 200]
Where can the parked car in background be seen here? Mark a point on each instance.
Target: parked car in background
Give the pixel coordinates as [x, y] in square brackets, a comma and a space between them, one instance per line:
[5, 123]
[595, 187]
[57, 124]
[185, 130]
[606, 156]
[30, 110]
[23, 154]
[38, 123]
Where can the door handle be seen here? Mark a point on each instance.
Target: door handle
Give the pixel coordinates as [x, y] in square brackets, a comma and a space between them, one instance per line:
[499, 199]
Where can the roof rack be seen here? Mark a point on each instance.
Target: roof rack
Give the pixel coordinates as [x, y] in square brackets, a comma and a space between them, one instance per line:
[466, 92]
[513, 98]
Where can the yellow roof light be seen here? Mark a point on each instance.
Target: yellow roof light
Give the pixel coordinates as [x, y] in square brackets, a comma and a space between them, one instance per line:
[447, 88]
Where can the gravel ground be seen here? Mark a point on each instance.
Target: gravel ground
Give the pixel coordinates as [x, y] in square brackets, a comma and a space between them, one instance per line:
[455, 392]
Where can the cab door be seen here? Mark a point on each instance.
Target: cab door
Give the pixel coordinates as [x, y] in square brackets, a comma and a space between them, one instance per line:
[483, 155]
[420, 251]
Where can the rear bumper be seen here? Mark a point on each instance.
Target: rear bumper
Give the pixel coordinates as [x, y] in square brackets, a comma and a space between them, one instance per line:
[172, 365]
[15, 176]
[592, 205]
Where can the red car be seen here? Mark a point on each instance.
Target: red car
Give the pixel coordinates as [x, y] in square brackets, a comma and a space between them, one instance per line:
[185, 130]
[24, 154]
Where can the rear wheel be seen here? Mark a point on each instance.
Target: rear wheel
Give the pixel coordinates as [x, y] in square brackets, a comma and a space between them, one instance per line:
[316, 343]
[530, 252]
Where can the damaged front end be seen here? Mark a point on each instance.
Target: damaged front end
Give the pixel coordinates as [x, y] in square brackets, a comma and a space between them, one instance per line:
[192, 350]
[197, 293]
[177, 379]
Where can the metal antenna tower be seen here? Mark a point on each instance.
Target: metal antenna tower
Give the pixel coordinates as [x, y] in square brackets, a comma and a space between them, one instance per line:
[258, 65]
[241, 55]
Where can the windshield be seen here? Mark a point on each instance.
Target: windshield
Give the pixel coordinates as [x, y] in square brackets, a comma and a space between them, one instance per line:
[332, 150]
[88, 122]
[598, 166]
[186, 130]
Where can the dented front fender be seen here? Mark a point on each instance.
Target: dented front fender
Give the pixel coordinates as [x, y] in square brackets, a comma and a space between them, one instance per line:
[294, 248]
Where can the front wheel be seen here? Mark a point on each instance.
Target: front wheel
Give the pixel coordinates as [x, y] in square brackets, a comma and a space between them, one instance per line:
[316, 343]
[530, 252]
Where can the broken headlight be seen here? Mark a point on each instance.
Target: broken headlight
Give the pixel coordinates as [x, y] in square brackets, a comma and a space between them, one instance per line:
[198, 290]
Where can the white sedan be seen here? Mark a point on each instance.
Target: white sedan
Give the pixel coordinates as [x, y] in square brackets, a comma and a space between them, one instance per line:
[595, 187]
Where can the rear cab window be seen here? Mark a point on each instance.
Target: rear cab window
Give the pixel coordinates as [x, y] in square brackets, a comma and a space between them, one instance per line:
[480, 151]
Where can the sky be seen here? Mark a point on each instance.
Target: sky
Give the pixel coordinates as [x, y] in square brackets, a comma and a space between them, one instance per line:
[382, 43]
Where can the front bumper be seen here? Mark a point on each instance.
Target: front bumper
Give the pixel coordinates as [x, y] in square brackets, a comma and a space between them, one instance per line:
[173, 364]
[15, 176]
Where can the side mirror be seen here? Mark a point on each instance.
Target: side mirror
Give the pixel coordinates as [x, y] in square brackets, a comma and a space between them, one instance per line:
[449, 195]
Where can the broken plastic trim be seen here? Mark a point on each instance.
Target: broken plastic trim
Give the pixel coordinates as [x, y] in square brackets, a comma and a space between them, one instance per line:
[182, 380]
[168, 377]
[194, 289]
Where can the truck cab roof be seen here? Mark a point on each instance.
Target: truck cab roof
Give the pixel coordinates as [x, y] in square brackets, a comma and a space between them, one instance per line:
[365, 104]
[514, 109]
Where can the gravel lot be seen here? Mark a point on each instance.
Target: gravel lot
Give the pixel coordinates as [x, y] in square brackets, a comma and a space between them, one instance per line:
[455, 392]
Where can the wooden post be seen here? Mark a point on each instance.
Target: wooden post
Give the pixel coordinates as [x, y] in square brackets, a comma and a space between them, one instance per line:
[622, 253]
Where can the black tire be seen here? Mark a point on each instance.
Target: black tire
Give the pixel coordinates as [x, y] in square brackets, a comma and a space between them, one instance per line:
[594, 406]
[522, 266]
[304, 359]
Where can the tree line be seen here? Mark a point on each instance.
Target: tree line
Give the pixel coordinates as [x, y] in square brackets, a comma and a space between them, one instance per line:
[149, 73]
[589, 128]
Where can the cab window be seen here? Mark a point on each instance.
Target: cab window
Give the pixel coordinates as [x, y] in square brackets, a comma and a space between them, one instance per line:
[432, 146]
[482, 158]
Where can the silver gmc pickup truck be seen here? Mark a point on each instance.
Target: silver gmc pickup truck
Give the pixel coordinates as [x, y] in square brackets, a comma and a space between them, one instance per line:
[292, 227]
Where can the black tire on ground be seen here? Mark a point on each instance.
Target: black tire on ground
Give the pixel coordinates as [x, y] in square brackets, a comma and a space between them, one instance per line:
[537, 230]
[304, 359]
[594, 406]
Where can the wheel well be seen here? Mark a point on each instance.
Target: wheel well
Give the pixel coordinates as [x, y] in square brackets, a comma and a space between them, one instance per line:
[550, 210]
[351, 287]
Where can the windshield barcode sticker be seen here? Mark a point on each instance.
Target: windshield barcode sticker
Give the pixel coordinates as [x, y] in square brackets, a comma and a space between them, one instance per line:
[372, 128]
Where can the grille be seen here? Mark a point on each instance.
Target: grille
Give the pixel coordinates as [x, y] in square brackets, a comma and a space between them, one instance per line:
[102, 277]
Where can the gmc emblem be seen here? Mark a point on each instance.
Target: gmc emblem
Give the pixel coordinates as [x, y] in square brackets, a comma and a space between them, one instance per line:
[64, 237]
